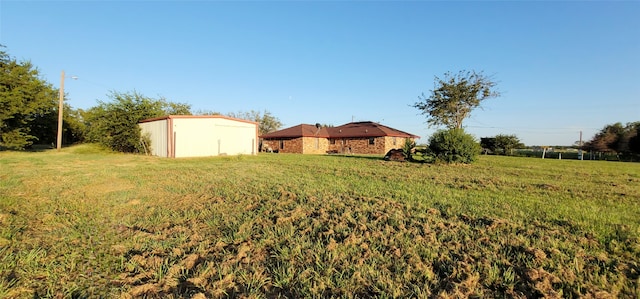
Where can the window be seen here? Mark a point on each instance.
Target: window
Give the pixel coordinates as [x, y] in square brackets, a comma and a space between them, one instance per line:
[372, 141]
[332, 141]
[281, 144]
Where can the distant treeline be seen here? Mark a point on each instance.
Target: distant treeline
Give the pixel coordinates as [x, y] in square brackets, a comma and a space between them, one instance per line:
[574, 154]
[615, 142]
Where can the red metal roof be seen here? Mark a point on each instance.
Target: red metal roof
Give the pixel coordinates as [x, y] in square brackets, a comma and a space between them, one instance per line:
[350, 130]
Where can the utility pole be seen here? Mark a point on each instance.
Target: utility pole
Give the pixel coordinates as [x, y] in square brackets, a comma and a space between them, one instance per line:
[60, 107]
[580, 149]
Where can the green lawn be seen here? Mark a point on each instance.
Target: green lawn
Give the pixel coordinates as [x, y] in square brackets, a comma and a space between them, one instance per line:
[86, 223]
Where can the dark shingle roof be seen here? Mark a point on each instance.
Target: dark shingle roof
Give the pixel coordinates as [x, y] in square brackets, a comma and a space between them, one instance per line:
[302, 130]
[350, 130]
[366, 129]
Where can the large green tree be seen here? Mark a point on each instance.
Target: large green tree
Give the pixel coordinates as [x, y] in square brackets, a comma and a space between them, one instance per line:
[266, 121]
[454, 97]
[608, 139]
[114, 124]
[505, 144]
[616, 138]
[634, 138]
[24, 98]
[45, 126]
[488, 144]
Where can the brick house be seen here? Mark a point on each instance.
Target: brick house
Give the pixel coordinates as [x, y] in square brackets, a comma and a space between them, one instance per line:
[356, 138]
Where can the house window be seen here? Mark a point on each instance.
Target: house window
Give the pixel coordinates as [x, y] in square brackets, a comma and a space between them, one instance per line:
[332, 141]
[281, 144]
[372, 141]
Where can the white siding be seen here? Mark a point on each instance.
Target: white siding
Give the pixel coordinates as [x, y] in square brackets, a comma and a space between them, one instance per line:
[183, 136]
[157, 132]
[197, 137]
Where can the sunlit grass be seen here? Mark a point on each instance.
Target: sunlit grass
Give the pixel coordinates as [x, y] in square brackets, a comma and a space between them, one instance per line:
[87, 222]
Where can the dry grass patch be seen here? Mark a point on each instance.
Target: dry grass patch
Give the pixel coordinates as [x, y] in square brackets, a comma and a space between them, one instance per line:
[315, 226]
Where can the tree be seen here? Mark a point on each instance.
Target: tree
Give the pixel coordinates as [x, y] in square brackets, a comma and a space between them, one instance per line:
[267, 123]
[73, 126]
[488, 144]
[507, 143]
[115, 124]
[454, 97]
[45, 126]
[634, 138]
[171, 108]
[607, 140]
[618, 139]
[23, 98]
[206, 112]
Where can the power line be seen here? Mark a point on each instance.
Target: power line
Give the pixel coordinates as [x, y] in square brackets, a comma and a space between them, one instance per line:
[97, 84]
[534, 129]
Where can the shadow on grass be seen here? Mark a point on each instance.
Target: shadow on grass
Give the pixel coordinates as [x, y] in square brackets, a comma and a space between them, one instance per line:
[366, 157]
[39, 148]
[418, 160]
[36, 148]
[80, 148]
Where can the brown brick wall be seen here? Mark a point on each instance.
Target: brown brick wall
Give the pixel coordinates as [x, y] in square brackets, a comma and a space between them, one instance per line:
[269, 144]
[389, 143]
[336, 146]
[293, 145]
[312, 145]
[362, 146]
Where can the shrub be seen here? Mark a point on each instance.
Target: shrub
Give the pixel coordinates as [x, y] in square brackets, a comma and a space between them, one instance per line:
[115, 124]
[407, 148]
[454, 146]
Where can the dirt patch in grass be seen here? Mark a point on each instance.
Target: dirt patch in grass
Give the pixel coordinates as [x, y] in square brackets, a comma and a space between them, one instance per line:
[365, 247]
[297, 226]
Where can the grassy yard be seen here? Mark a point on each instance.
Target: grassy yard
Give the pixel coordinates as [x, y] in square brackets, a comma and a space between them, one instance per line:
[86, 223]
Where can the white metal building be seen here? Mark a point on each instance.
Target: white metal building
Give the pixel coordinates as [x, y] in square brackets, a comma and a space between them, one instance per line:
[178, 136]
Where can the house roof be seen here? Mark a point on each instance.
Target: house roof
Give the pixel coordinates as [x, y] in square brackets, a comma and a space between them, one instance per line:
[350, 130]
[301, 130]
[366, 129]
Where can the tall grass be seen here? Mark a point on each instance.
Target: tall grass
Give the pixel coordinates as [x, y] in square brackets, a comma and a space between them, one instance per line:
[89, 223]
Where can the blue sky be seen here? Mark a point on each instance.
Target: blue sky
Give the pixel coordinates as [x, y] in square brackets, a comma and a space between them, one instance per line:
[562, 67]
